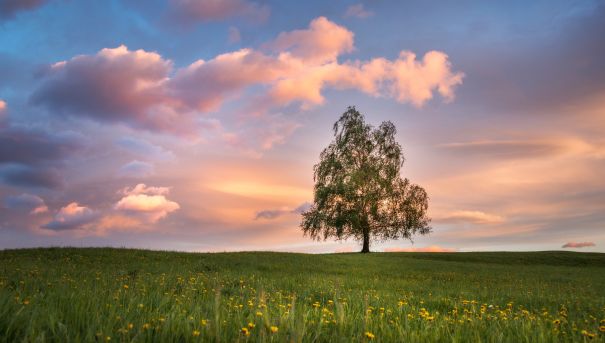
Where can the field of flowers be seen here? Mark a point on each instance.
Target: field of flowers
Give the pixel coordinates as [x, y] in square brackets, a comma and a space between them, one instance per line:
[119, 295]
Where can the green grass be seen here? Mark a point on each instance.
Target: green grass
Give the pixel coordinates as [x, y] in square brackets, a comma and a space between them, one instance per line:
[72, 295]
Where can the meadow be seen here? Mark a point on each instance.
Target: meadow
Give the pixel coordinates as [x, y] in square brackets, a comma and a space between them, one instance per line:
[122, 295]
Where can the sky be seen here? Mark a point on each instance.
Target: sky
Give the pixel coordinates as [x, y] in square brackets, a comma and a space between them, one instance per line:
[195, 125]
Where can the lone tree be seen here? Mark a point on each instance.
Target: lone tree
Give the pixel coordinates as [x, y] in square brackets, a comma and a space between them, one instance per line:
[359, 192]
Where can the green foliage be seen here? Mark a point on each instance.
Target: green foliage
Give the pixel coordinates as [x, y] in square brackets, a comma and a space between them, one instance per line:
[75, 295]
[359, 192]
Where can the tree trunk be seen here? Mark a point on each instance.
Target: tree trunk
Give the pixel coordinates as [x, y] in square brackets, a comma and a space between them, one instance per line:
[366, 241]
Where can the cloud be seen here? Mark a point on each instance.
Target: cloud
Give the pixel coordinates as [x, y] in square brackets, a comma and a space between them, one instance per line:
[28, 202]
[144, 148]
[322, 42]
[9, 8]
[135, 169]
[505, 148]
[141, 188]
[114, 85]
[578, 245]
[432, 248]
[474, 217]
[32, 157]
[520, 149]
[138, 88]
[72, 217]
[146, 203]
[357, 11]
[3, 113]
[191, 11]
[276, 213]
[31, 176]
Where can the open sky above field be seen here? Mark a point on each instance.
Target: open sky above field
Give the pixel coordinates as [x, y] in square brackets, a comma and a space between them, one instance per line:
[195, 125]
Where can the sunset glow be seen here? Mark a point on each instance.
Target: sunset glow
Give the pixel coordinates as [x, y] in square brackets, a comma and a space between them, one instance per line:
[195, 126]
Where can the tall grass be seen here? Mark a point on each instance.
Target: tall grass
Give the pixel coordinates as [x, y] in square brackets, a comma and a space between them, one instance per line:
[72, 295]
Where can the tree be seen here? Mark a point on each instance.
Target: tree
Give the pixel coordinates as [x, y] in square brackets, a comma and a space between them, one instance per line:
[359, 191]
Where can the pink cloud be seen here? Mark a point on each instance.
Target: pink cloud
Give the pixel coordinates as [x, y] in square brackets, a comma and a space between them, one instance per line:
[432, 248]
[214, 10]
[148, 203]
[474, 217]
[322, 42]
[138, 88]
[358, 11]
[578, 245]
[114, 85]
[71, 217]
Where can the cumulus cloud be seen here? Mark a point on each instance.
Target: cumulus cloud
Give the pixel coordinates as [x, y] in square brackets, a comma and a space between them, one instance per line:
[322, 41]
[276, 213]
[138, 88]
[147, 203]
[357, 11]
[474, 217]
[432, 248]
[27, 202]
[72, 217]
[136, 168]
[9, 8]
[191, 11]
[578, 245]
[114, 85]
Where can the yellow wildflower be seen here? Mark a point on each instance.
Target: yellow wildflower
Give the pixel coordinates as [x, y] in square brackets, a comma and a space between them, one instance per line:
[196, 333]
[369, 335]
[274, 329]
[251, 325]
[245, 332]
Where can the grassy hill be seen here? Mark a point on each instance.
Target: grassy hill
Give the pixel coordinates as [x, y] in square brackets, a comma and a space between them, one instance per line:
[65, 294]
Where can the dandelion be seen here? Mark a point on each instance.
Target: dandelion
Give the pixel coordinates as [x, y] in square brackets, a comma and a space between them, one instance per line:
[369, 335]
[245, 332]
[556, 321]
[125, 286]
[602, 328]
[203, 322]
[274, 329]
[251, 325]
[196, 333]
[259, 314]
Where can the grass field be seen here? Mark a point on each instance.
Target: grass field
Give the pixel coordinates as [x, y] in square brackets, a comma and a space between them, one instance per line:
[69, 295]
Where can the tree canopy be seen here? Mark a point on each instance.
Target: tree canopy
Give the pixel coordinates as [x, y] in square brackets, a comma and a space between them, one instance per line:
[359, 192]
